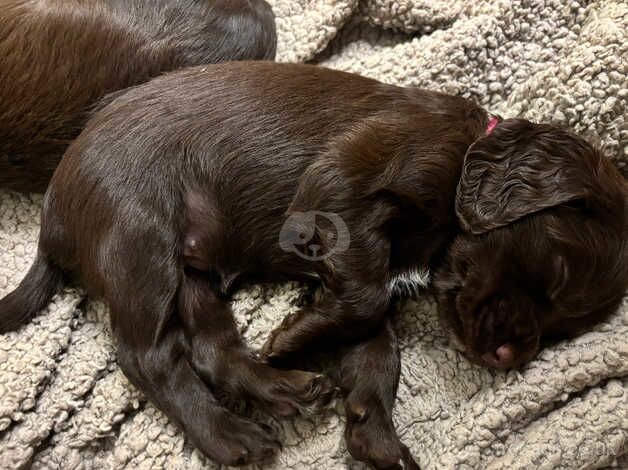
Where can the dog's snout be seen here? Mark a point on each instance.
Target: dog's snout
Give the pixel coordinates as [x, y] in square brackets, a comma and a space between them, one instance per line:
[504, 357]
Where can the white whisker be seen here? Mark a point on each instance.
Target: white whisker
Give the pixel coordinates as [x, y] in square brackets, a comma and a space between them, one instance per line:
[409, 283]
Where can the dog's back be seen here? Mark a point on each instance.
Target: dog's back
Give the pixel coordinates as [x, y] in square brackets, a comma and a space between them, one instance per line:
[59, 58]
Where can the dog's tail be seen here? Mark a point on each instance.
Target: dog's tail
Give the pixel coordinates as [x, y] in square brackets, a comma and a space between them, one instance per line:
[41, 283]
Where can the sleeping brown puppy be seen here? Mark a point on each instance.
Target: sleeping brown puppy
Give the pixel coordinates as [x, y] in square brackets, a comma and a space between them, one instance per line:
[59, 57]
[185, 186]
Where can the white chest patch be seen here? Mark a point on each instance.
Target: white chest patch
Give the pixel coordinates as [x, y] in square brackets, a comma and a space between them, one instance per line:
[409, 283]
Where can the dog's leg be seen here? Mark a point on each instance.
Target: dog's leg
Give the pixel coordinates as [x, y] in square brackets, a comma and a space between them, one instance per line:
[369, 375]
[164, 374]
[351, 306]
[220, 357]
[143, 294]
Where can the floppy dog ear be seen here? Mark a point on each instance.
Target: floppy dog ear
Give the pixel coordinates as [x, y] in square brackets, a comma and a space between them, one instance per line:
[520, 169]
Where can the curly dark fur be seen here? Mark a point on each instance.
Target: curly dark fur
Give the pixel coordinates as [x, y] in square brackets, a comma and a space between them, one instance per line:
[543, 251]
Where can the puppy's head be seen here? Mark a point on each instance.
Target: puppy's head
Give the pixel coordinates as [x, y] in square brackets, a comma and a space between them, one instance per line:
[542, 253]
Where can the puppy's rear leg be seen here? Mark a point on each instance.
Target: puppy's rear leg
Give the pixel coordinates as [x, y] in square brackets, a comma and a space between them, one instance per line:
[219, 355]
[163, 373]
[153, 352]
[369, 375]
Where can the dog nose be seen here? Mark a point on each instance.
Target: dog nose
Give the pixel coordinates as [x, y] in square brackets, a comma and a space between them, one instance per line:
[502, 358]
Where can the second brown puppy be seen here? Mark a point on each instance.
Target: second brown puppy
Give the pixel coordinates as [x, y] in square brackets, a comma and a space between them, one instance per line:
[58, 58]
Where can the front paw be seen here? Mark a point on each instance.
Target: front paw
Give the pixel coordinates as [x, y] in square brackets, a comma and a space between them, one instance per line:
[280, 343]
[371, 437]
[267, 352]
[234, 441]
[306, 393]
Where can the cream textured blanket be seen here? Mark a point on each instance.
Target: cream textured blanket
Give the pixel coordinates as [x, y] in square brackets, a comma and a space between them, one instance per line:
[65, 404]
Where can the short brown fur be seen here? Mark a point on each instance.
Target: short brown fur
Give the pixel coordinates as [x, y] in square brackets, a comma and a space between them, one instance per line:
[58, 58]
